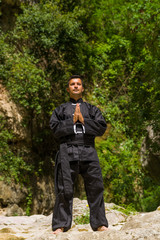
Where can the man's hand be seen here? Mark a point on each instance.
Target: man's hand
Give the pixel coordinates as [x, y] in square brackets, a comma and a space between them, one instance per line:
[78, 115]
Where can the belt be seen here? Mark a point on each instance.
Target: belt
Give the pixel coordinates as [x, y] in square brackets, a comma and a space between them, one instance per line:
[79, 139]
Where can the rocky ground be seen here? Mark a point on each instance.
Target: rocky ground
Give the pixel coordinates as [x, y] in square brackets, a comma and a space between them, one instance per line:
[38, 227]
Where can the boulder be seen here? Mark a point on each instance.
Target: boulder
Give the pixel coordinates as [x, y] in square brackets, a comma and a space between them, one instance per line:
[12, 196]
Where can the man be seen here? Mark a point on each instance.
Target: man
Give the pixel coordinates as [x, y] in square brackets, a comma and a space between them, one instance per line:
[75, 124]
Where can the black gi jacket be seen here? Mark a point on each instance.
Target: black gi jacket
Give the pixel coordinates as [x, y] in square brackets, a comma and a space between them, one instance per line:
[76, 140]
[65, 131]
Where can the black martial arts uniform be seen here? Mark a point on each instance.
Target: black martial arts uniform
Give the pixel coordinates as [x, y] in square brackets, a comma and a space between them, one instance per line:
[77, 155]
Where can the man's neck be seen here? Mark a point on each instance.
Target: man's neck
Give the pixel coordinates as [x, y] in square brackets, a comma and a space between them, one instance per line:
[75, 100]
[76, 97]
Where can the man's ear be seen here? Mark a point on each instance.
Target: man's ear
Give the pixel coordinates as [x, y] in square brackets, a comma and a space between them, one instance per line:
[82, 89]
[67, 89]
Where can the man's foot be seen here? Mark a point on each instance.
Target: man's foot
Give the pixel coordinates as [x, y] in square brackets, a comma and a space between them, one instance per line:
[58, 230]
[102, 228]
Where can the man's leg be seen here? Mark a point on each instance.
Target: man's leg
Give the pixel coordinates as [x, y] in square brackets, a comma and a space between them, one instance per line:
[93, 182]
[62, 213]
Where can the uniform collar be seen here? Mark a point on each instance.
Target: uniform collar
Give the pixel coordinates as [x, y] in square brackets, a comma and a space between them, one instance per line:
[80, 100]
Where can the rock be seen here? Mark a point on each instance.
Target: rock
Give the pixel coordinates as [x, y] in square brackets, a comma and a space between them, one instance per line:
[44, 197]
[13, 114]
[150, 154]
[12, 196]
[144, 226]
[121, 227]
[14, 210]
[7, 234]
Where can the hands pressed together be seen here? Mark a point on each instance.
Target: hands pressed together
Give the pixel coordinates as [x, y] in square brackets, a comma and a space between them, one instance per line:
[78, 115]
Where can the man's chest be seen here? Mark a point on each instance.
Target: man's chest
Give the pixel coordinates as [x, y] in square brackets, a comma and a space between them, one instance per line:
[69, 110]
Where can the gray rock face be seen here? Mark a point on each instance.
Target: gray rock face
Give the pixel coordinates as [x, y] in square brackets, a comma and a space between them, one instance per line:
[44, 198]
[121, 227]
[13, 198]
[150, 154]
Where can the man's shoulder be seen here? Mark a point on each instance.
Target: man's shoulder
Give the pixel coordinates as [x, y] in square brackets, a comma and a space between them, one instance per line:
[87, 103]
[91, 106]
[62, 105]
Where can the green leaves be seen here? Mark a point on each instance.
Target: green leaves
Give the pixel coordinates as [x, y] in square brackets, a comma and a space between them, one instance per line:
[26, 82]
[12, 165]
[121, 170]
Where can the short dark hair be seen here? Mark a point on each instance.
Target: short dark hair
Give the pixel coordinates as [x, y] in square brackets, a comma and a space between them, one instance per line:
[76, 76]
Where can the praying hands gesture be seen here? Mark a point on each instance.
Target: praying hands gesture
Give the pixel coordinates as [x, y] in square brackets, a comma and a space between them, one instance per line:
[78, 115]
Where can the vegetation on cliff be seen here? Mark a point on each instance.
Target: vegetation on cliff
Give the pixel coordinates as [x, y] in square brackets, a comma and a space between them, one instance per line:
[115, 46]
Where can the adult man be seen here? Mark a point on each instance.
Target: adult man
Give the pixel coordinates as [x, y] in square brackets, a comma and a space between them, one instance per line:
[75, 124]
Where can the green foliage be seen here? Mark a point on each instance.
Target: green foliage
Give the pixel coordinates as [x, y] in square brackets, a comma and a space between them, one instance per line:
[126, 209]
[82, 219]
[124, 179]
[151, 196]
[58, 45]
[120, 169]
[12, 166]
[29, 202]
[27, 83]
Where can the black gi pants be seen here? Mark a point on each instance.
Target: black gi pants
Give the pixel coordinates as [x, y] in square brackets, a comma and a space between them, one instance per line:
[91, 173]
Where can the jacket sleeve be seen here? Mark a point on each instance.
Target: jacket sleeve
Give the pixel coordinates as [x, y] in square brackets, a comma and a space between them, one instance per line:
[60, 127]
[96, 124]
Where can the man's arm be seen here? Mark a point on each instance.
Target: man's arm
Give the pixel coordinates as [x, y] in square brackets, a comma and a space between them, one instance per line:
[60, 127]
[96, 125]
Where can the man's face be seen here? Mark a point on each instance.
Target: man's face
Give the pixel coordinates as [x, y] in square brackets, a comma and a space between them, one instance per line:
[75, 88]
